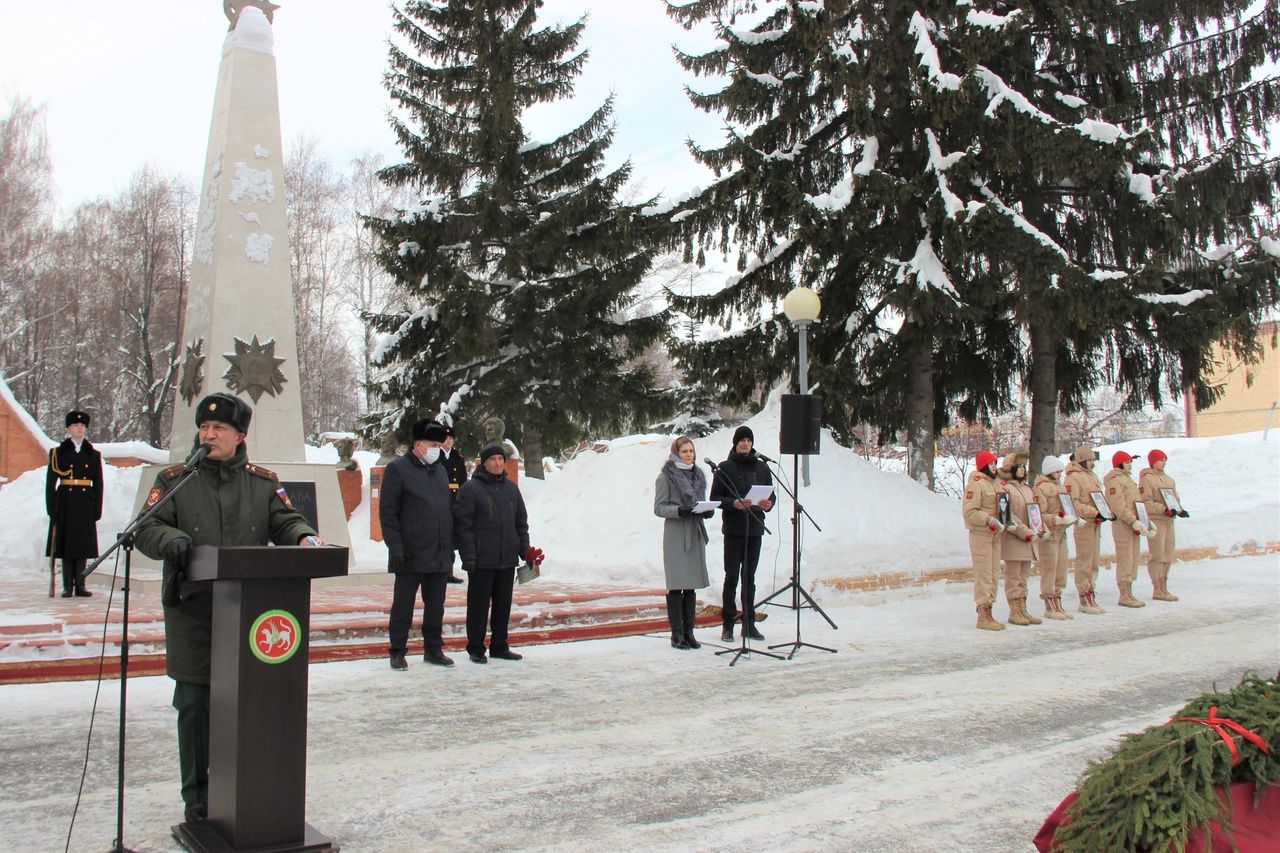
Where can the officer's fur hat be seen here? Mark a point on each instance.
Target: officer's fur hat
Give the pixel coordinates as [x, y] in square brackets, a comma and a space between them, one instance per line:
[77, 417]
[427, 430]
[226, 408]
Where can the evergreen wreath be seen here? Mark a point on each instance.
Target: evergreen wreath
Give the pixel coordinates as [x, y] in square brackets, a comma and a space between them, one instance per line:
[1163, 784]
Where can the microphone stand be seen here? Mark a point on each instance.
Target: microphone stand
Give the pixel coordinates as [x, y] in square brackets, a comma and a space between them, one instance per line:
[748, 618]
[797, 589]
[125, 540]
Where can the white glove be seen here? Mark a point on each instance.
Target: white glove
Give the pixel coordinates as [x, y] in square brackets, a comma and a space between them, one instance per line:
[1138, 528]
[1066, 521]
[1044, 534]
[1080, 522]
[1152, 531]
[1011, 528]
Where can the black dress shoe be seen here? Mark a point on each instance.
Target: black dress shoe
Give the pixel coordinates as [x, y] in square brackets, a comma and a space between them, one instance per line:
[196, 813]
[752, 633]
[726, 634]
[477, 658]
[66, 593]
[506, 655]
[398, 661]
[454, 579]
[437, 657]
[81, 592]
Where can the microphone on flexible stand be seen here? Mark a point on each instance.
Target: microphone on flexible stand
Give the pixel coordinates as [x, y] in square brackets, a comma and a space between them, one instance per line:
[714, 466]
[196, 458]
[762, 457]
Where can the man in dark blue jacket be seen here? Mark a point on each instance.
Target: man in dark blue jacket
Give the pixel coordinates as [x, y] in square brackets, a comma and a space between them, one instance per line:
[491, 529]
[417, 527]
[743, 528]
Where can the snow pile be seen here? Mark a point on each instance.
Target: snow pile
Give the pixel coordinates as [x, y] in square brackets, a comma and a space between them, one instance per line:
[252, 32]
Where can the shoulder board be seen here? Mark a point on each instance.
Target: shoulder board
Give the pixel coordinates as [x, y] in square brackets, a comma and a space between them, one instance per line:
[264, 473]
[173, 471]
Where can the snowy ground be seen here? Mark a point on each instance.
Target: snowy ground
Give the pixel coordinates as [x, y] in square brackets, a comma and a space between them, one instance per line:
[920, 734]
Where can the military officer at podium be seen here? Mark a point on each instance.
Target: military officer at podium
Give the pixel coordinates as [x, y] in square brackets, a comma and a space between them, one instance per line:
[231, 503]
[73, 501]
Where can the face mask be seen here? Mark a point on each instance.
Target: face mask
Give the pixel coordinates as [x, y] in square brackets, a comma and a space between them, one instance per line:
[433, 453]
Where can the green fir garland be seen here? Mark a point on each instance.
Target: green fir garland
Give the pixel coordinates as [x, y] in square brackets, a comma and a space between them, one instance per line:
[1162, 784]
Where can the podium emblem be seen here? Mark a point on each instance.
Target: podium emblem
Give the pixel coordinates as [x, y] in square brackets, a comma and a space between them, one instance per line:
[274, 636]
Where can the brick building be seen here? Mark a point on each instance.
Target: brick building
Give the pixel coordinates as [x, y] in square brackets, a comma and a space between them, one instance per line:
[1251, 399]
[23, 444]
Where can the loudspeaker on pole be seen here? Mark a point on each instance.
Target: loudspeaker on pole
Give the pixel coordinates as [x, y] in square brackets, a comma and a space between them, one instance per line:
[801, 424]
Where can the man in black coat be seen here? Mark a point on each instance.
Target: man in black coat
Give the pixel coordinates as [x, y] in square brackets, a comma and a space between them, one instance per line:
[743, 528]
[73, 502]
[417, 527]
[491, 529]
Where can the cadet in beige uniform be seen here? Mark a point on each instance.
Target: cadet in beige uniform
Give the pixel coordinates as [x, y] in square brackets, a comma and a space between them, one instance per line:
[1018, 544]
[979, 512]
[1078, 484]
[1054, 561]
[1126, 532]
[1150, 483]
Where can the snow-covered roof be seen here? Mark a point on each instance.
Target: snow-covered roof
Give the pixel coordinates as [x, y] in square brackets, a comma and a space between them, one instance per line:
[24, 417]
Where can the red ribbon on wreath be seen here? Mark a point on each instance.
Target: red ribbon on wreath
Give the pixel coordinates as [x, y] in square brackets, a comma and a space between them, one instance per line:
[1220, 725]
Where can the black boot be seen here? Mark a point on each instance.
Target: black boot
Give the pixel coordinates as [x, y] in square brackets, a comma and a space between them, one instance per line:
[749, 626]
[690, 611]
[77, 566]
[675, 616]
[68, 578]
[726, 633]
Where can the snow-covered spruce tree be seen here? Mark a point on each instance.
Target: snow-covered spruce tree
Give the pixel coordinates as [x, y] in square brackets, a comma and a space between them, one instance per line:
[519, 263]
[1125, 278]
[944, 179]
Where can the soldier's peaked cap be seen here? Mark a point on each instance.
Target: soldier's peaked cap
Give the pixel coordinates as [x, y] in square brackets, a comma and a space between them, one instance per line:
[225, 408]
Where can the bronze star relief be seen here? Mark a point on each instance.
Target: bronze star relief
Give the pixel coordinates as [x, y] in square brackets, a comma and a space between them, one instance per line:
[254, 368]
[192, 371]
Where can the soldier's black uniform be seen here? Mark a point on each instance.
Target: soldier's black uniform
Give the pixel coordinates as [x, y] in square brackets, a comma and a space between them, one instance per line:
[73, 502]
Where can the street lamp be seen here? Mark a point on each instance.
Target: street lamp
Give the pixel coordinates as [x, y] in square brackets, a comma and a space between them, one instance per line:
[802, 307]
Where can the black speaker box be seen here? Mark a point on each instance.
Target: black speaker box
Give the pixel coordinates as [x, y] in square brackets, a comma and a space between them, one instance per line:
[801, 424]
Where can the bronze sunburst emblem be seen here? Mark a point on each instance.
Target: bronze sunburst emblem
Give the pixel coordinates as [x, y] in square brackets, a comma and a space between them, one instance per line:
[254, 368]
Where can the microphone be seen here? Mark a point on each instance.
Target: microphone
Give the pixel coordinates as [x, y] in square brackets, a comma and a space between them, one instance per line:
[196, 458]
[713, 465]
[762, 457]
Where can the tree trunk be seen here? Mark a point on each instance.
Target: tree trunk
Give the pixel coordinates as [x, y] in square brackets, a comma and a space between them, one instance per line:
[1044, 396]
[532, 450]
[920, 417]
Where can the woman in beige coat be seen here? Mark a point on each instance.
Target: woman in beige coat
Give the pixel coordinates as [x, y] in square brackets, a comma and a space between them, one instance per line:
[1018, 546]
[1152, 484]
[1054, 562]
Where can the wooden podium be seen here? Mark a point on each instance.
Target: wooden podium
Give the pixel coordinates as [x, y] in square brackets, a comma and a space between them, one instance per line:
[258, 698]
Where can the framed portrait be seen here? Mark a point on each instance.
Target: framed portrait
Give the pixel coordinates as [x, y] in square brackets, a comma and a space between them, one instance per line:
[1100, 503]
[1068, 506]
[1035, 519]
[1002, 509]
[1171, 500]
[1143, 518]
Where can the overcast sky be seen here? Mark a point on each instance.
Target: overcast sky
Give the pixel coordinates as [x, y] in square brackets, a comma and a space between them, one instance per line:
[127, 86]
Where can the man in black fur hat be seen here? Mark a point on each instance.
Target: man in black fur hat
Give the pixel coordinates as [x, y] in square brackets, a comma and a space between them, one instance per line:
[73, 502]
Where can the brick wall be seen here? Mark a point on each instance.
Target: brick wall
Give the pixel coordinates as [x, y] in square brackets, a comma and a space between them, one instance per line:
[1251, 391]
[19, 451]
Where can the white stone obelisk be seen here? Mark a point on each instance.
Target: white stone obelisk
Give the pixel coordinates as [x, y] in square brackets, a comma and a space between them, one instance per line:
[238, 333]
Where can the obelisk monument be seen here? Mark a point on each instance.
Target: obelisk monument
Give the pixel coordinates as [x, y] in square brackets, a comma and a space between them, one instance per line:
[238, 333]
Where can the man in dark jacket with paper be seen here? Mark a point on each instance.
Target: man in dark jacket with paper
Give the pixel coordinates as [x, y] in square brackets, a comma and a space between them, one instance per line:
[417, 527]
[231, 502]
[743, 528]
[491, 530]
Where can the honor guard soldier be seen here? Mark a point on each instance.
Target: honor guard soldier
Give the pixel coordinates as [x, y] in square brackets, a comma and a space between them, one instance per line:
[73, 501]
[457, 468]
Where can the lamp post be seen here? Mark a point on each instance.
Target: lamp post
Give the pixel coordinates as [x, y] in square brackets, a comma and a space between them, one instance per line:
[802, 307]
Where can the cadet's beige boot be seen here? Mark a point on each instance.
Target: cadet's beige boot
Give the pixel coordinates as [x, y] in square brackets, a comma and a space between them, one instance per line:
[1061, 611]
[1089, 604]
[986, 621]
[1026, 614]
[1051, 611]
[1015, 614]
[1126, 596]
[1162, 588]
